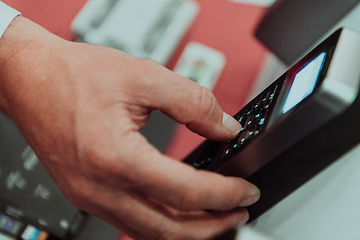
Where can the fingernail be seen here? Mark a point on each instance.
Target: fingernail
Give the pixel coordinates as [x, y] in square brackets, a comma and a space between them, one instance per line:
[231, 125]
[255, 196]
[244, 220]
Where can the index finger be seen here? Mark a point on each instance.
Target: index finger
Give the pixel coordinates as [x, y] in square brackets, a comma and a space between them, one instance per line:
[186, 102]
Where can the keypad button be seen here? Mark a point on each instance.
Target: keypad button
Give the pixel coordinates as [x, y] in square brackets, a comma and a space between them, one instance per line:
[242, 120]
[256, 107]
[251, 129]
[246, 114]
[195, 164]
[235, 145]
[252, 120]
[261, 121]
[242, 138]
[267, 104]
[257, 116]
[248, 121]
[272, 95]
[203, 163]
[227, 150]
[264, 99]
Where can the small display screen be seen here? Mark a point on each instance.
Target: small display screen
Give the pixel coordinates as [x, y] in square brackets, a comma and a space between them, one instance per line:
[304, 82]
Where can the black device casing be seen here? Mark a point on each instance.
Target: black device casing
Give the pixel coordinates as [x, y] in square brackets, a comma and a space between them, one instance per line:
[295, 146]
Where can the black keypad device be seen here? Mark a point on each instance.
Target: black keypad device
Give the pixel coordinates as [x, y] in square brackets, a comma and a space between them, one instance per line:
[252, 119]
[301, 123]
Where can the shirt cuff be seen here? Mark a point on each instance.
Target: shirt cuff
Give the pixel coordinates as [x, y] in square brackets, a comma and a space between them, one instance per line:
[7, 14]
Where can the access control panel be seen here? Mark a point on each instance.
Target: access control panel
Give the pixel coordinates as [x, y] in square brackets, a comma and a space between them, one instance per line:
[297, 126]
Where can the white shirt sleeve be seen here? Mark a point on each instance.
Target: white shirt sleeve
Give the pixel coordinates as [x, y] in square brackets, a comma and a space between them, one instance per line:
[7, 14]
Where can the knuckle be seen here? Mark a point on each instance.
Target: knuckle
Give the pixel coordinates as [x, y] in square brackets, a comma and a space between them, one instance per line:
[151, 62]
[188, 200]
[150, 74]
[233, 200]
[205, 102]
[148, 66]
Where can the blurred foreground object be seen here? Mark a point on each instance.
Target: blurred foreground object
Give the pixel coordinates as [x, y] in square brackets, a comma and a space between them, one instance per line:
[142, 28]
[31, 205]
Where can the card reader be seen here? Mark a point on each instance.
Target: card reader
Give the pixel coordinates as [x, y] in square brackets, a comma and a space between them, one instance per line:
[297, 126]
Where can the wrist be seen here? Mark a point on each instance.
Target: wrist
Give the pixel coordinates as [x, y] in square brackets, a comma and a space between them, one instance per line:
[34, 83]
[24, 47]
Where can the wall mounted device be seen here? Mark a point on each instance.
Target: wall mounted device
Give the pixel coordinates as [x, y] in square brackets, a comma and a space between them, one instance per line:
[297, 126]
[142, 28]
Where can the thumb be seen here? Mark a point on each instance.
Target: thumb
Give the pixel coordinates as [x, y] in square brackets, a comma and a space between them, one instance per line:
[189, 103]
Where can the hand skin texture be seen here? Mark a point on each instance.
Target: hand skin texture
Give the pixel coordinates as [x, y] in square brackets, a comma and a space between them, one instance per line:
[81, 106]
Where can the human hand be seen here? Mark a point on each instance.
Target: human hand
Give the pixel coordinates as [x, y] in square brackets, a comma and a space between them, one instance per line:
[81, 106]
